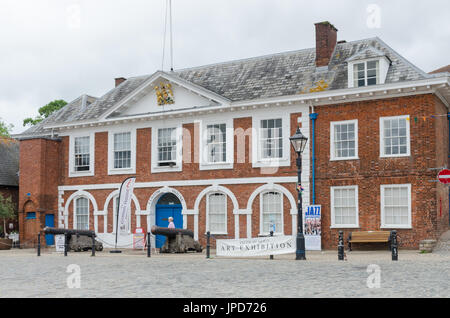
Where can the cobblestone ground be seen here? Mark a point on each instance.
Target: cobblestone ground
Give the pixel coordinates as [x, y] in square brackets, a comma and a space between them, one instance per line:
[132, 274]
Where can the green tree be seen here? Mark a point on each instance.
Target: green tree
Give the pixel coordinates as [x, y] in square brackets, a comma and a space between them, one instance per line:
[45, 111]
[5, 129]
[6, 210]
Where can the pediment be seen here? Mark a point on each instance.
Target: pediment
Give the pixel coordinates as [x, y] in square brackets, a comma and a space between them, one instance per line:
[164, 94]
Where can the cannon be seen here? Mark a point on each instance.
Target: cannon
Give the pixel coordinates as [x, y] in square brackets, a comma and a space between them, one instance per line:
[78, 239]
[177, 240]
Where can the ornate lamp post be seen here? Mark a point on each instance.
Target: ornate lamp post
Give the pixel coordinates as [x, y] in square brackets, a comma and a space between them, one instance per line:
[298, 142]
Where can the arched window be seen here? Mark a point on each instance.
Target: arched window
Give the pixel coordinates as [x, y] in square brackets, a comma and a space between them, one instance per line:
[271, 213]
[216, 213]
[82, 214]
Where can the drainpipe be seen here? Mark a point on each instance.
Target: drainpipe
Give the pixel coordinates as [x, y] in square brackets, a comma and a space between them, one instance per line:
[448, 117]
[313, 117]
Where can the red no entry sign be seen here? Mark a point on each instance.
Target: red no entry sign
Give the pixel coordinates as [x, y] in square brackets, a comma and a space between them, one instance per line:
[444, 176]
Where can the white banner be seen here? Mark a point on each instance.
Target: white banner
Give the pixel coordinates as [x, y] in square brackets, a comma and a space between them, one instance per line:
[260, 246]
[126, 193]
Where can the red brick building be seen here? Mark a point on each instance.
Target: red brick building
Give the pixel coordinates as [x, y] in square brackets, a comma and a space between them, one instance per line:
[210, 146]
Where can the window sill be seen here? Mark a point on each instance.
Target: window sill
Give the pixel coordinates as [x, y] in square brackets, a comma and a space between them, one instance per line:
[122, 171]
[81, 174]
[218, 233]
[158, 169]
[216, 166]
[345, 227]
[268, 234]
[395, 156]
[344, 159]
[394, 227]
[271, 163]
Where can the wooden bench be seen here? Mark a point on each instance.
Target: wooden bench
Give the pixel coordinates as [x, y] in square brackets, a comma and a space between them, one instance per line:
[369, 237]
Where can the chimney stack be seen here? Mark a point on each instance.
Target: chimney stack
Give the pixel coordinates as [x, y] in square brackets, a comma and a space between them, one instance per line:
[120, 80]
[326, 39]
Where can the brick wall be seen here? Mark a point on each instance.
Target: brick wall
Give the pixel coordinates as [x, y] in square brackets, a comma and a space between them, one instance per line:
[39, 168]
[371, 171]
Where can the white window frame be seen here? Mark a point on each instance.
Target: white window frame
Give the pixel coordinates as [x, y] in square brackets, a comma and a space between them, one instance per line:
[91, 171]
[228, 164]
[332, 208]
[154, 153]
[382, 199]
[261, 225]
[75, 201]
[408, 137]
[332, 140]
[285, 160]
[383, 65]
[226, 213]
[116, 171]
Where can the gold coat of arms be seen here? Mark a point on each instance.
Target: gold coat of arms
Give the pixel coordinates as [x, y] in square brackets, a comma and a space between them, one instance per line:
[164, 94]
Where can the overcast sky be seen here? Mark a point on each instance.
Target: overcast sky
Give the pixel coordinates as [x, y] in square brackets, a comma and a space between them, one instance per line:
[61, 49]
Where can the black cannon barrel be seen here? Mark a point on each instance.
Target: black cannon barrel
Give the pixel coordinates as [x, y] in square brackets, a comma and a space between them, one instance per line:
[51, 230]
[156, 230]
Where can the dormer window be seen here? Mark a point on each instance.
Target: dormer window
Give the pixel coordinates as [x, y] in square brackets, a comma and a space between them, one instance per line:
[366, 73]
[368, 67]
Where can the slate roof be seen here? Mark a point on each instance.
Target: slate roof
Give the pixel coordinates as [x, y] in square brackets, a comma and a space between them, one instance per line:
[267, 76]
[9, 162]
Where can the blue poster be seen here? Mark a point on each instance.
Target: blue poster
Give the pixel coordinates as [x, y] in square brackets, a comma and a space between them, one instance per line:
[313, 228]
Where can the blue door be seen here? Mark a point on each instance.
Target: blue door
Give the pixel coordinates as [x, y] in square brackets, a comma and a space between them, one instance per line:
[50, 222]
[163, 212]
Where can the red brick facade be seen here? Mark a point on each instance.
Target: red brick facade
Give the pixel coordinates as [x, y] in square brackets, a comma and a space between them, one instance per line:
[44, 167]
[429, 149]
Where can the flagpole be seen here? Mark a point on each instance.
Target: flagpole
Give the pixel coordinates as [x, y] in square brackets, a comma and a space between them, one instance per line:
[116, 251]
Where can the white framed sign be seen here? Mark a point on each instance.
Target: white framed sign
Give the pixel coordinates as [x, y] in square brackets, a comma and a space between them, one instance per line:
[60, 240]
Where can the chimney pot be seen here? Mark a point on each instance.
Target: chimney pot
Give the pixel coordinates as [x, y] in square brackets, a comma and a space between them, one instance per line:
[120, 80]
[326, 39]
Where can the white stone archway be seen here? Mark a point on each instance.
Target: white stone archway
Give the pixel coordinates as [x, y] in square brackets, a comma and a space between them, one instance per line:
[151, 207]
[220, 189]
[78, 194]
[111, 196]
[268, 188]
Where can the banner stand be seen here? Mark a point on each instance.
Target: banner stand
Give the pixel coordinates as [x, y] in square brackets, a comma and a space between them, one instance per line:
[123, 206]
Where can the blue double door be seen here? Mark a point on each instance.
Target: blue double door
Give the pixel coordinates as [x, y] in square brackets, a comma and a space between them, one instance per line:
[163, 212]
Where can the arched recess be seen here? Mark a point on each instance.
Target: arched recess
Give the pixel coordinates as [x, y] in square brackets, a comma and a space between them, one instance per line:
[153, 200]
[79, 193]
[111, 196]
[275, 188]
[223, 190]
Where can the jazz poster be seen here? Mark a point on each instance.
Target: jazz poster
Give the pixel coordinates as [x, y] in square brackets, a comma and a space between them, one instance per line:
[313, 228]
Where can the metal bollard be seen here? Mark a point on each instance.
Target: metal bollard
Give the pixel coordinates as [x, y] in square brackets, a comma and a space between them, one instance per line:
[271, 235]
[208, 245]
[93, 246]
[341, 246]
[394, 245]
[66, 244]
[149, 247]
[39, 245]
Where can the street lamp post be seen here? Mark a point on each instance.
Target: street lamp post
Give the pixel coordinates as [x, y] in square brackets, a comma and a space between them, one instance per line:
[298, 142]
